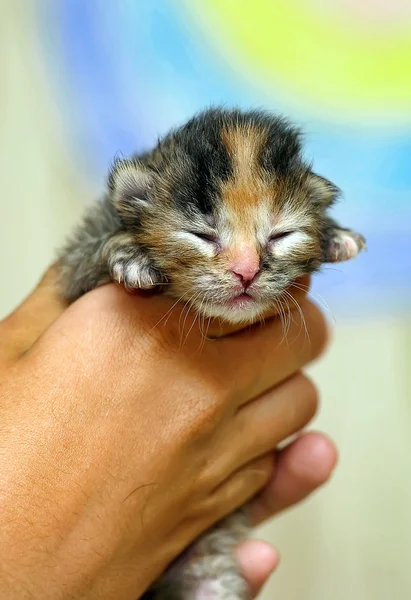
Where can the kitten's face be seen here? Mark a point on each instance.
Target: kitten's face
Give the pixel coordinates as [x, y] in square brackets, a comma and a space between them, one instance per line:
[228, 214]
[236, 262]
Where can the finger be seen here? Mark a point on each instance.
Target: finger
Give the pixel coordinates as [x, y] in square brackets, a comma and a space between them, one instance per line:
[34, 315]
[257, 561]
[262, 424]
[301, 468]
[272, 354]
[298, 290]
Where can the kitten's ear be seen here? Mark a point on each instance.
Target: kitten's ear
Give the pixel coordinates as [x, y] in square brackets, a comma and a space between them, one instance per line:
[323, 192]
[129, 183]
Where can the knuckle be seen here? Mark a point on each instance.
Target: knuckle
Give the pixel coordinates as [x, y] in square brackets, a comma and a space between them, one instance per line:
[261, 471]
[199, 412]
[310, 393]
[318, 330]
[308, 334]
[208, 396]
[208, 477]
[240, 488]
[253, 478]
[205, 415]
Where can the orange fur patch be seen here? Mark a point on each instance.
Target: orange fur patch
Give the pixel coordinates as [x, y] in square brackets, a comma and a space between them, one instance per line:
[244, 145]
[247, 191]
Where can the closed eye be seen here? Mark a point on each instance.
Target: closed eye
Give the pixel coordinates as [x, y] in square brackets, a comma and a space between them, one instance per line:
[279, 235]
[207, 237]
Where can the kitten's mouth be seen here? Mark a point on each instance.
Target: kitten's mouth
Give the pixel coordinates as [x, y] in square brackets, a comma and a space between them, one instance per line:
[238, 307]
[242, 300]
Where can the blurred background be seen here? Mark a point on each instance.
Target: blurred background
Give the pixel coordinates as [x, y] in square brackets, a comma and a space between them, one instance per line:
[81, 81]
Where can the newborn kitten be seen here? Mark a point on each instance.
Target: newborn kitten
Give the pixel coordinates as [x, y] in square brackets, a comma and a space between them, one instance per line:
[227, 213]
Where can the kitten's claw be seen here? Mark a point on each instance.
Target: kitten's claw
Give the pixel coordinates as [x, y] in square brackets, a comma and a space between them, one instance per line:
[132, 275]
[117, 272]
[344, 245]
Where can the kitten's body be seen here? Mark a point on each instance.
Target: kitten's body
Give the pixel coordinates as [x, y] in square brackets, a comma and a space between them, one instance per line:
[227, 213]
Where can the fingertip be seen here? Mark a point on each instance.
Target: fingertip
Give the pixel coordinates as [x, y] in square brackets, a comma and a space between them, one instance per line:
[312, 457]
[303, 466]
[258, 560]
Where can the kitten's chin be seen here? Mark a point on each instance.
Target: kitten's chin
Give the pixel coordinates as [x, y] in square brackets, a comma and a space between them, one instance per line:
[239, 312]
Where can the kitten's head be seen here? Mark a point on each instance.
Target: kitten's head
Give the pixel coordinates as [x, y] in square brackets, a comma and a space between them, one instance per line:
[227, 212]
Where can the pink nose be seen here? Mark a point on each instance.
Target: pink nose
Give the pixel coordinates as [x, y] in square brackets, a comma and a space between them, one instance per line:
[246, 275]
[245, 263]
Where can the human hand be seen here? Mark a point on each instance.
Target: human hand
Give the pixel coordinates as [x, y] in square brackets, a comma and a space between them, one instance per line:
[111, 490]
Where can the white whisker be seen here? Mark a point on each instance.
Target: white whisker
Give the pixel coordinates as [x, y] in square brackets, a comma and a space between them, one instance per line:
[316, 296]
[300, 311]
[168, 313]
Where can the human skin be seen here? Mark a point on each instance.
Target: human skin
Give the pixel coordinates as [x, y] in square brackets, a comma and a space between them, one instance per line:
[120, 444]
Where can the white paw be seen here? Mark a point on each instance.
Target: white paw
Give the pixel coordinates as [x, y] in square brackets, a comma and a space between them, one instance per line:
[345, 245]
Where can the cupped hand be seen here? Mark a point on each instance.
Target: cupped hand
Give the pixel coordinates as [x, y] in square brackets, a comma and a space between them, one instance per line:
[124, 438]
